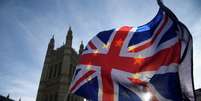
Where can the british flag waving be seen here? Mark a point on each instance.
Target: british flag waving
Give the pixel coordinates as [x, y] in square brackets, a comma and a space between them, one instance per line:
[136, 64]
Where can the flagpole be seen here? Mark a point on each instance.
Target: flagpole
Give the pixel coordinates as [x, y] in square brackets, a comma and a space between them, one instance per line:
[167, 10]
[160, 2]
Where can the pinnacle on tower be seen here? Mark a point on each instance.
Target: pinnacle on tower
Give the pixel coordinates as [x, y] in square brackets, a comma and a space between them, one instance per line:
[51, 43]
[70, 32]
[52, 39]
[69, 37]
[8, 96]
[81, 48]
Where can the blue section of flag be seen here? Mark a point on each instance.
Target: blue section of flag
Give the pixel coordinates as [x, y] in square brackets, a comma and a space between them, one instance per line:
[171, 33]
[126, 95]
[89, 90]
[85, 49]
[104, 36]
[77, 70]
[168, 85]
[146, 31]
[140, 37]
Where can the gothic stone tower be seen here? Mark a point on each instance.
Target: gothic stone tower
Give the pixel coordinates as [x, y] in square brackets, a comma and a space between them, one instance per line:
[58, 69]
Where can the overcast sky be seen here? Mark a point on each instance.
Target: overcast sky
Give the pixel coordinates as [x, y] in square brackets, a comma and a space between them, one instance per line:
[27, 25]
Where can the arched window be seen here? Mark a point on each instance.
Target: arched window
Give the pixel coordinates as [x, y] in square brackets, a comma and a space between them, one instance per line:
[70, 73]
[59, 69]
[69, 97]
[55, 96]
[50, 72]
[46, 72]
[45, 97]
[50, 97]
[55, 71]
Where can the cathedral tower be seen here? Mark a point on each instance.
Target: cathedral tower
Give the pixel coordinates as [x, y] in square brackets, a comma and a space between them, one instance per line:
[58, 68]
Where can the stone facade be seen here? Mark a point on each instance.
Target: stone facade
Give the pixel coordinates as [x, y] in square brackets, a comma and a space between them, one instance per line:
[57, 72]
[3, 98]
[198, 94]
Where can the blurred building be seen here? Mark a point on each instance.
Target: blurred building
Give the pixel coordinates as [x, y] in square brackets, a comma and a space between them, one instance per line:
[198, 94]
[58, 69]
[3, 98]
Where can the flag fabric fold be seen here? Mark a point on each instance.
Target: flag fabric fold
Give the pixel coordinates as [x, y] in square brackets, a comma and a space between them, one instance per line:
[152, 62]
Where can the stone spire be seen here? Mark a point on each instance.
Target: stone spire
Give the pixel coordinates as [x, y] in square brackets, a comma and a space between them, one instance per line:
[50, 48]
[81, 48]
[51, 43]
[69, 38]
[8, 96]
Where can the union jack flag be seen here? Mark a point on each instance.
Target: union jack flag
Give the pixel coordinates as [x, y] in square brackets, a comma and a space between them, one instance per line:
[133, 64]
